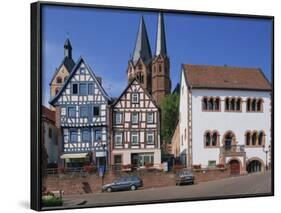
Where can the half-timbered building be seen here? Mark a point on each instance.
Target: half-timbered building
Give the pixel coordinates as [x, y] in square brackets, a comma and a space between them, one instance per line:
[225, 118]
[82, 114]
[135, 128]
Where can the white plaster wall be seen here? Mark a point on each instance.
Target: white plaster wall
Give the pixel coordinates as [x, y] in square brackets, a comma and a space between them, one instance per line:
[224, 121]
[183, 118]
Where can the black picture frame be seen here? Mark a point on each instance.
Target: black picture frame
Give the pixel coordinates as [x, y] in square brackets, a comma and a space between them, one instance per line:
[36, 98]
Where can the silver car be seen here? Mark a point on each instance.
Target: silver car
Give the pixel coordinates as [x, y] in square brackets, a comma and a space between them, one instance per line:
[123, 183]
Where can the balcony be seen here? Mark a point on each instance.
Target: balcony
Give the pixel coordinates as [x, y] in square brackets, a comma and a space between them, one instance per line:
[232, 150]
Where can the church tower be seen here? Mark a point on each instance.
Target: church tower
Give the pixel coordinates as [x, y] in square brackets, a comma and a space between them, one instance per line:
[139, 66]
[61, 73]
[161, 82]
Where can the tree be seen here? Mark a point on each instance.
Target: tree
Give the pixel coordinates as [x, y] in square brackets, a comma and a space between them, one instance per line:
[169, 106]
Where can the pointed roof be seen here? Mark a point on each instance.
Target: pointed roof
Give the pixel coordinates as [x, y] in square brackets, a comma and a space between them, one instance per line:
[142, 48]
[73, 71]
[67, 44]
[161, 38]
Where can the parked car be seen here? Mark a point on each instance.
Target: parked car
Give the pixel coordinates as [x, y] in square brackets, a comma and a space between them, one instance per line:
[123, 183]
[184, 176]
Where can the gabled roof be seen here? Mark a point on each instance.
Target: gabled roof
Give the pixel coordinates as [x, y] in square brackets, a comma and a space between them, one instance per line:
[225, 77]
[142, 47]
[161, 37]
[68, 63]
[74, 69]
[125, 90]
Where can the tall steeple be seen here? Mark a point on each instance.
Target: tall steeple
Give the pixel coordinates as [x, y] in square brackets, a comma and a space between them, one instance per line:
[67, 49]
[161, 82]
[161, 38]
[142, 48]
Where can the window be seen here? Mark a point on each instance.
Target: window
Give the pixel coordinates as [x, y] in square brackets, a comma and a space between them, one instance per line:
[118, 139]
[212, 163]
[254, 138]
[205, 103]
[74, 89]
[150, 117]
[85, 134]
[117, 159]
[150, 137]
[97, 135]
[83, 111]
[63, 111]
[248, 105]
[82, 70]
[232, 104]
[57, 90]
[90, 89]
[71, 112]
[248, 139]
[160, 68]
[238, 104]
[96, 111]
[211, 104]
[254, 105]
[134, 117]
[118, 118]
[227, 104]
[59, 80]
[207, 139]
[82, 89]
[259, 105]
[260, 139]
[135, 97]
[50, 133]
[214, 139]
[146, 159]
[73, 135]
[217, 104]
[134, 138]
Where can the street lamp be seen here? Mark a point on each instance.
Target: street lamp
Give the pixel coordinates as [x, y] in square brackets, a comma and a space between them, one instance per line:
[266, 152]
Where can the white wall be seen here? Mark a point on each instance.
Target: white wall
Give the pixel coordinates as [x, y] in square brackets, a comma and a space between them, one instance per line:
[222, 121]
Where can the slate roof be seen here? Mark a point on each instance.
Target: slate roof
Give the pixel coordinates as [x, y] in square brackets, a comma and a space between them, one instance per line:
[161, 38]
[225, 77]
[142, 47]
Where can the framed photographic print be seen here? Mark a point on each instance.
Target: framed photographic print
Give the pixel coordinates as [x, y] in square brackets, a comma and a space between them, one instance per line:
[140, 106]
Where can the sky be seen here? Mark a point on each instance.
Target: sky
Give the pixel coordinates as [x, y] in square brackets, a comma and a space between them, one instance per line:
[106, 39]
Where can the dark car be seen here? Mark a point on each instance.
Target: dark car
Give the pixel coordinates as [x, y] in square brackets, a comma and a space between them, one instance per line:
[184, 177]
[123, 183]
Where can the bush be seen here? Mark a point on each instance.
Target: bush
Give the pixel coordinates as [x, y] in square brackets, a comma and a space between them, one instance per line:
[50, 201]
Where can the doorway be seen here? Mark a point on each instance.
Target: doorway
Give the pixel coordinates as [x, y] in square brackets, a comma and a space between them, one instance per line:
[234, 167]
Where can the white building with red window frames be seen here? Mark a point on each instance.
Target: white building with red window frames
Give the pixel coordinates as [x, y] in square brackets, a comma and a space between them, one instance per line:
[135, 129]
[225, 118]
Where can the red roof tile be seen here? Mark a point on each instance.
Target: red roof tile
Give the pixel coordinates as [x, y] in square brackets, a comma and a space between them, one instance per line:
[225, 77]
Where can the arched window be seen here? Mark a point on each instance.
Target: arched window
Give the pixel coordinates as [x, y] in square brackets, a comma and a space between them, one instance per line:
[207, 139]
[259, 105]
[260, 139]
[59, 80]
[215, 139]
[160, 68]
[140, 66]
[254, 138]
[217, 104]
[211, 104]
[232, 104]
[205, 103]
[254, 102]
[227, 104]
[248, 104]
[238, 104]
[248, 139]
[229, 138]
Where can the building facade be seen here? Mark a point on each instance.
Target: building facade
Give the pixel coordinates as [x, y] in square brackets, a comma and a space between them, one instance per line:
[50, 136]
[152, 71]
[225, 117]
[82, 115]
[135, 128]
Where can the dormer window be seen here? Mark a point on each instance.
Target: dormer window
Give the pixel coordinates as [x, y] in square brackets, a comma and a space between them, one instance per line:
[135, 97]
[59, 80]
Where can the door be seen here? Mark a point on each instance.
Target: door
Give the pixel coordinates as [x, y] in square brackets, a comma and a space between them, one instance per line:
[135, 161]
[234, 167]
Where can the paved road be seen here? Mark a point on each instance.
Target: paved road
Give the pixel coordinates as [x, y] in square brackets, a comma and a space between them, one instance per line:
[250, 184]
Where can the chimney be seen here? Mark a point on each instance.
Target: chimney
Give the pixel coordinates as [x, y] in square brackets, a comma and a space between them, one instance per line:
[99, 80]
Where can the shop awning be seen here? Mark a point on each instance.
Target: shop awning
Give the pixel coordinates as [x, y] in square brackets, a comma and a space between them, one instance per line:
[73, 155]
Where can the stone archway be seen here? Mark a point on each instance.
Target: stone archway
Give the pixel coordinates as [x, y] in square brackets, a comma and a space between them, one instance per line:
[255, 165]
[235, 167]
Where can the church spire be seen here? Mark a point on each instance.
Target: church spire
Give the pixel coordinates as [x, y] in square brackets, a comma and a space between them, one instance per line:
[67, 49]
[142, 48]
[161, 38]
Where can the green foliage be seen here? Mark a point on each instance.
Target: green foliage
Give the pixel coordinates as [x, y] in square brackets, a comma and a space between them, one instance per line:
[50, 201]
[169, 116]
